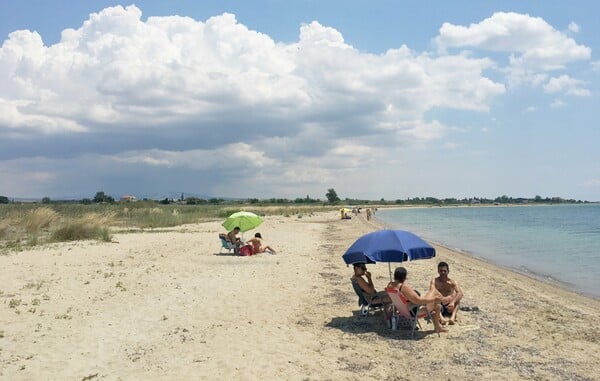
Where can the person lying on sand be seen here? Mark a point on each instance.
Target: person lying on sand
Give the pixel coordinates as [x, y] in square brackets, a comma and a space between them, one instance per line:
[432, 299]
[450, 289]
[258, 247]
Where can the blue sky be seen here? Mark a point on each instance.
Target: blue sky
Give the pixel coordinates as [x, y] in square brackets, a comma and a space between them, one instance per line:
[290, 98]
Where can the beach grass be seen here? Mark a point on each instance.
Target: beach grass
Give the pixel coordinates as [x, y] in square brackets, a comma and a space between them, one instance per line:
[30, 224]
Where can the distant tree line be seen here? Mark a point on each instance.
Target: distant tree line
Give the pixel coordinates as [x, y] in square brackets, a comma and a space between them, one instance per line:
[332, 198]
[481, 200]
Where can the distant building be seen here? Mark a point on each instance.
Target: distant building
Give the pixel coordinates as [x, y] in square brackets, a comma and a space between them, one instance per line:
[128, 198]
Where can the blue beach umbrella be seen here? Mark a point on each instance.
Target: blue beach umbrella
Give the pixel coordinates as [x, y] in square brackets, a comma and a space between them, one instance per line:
[388, 246]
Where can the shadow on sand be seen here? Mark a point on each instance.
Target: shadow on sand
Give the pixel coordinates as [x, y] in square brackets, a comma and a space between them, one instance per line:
[232, 254]
[375, 324]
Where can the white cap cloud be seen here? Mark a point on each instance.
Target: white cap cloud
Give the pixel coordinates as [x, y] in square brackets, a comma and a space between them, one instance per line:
[535, 46]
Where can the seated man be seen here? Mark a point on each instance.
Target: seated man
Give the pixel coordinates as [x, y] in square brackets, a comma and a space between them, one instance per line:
[258, 247]
[368, 289]
[450, 289]
[233, 238]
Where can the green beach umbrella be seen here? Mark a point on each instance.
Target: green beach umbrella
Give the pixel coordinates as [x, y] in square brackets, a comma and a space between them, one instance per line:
[244, 220]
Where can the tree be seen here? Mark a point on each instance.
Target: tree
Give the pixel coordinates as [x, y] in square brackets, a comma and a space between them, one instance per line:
[332, 196]
[46, 200]
[4, 200]
[101, 197]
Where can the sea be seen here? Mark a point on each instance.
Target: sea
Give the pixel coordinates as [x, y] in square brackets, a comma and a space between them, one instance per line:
[555, 243]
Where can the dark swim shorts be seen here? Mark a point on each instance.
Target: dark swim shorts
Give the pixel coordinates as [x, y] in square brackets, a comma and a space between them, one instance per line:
[445, 311]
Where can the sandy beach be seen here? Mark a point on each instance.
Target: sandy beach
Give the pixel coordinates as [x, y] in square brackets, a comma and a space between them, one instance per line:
[167, 305]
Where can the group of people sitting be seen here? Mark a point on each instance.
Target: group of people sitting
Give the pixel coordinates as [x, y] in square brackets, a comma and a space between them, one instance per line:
[441, 300]
[255, 244]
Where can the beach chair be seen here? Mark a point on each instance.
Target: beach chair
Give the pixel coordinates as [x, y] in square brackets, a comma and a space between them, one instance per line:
[225, 244]
[364, 301]
[406, 311]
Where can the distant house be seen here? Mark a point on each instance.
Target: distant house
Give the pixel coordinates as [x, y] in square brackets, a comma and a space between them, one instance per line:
[128, 198]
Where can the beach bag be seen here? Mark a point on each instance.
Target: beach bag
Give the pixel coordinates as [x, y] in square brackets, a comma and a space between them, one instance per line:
[403, 322]
[245, 250]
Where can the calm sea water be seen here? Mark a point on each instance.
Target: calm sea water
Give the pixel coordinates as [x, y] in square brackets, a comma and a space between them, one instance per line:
[560, 243]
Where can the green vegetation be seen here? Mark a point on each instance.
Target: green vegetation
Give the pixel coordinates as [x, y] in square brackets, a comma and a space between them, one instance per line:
[332, 196]
[75, 232]
[14, 303]
[101, 197]
[24, 225]
[476, 200]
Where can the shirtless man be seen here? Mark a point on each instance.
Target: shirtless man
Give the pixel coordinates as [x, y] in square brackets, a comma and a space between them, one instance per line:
[450, 289]
[233, 238]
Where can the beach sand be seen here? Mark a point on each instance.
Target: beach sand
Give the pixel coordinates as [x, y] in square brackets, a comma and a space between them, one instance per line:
[164, 304]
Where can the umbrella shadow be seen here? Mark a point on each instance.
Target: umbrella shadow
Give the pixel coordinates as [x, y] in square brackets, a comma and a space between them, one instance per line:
[226, 254]
[358, 324]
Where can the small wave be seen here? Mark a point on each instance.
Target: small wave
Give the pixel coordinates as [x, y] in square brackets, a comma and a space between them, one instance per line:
[585, 232]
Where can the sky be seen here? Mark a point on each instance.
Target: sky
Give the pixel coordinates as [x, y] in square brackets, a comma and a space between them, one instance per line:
[287, 99]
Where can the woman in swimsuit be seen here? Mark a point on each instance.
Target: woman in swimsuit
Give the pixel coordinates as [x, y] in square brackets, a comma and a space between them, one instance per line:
[257, 245]
[432, 299]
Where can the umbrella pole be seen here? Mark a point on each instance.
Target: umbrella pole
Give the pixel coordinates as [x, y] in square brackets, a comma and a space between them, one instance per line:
[390, 270]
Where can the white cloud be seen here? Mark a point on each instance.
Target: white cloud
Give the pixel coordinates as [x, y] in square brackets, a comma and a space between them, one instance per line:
[557, 103]
[573, 27]
[566, 84]
[216, 106]
[118, 75]
[530, 109]
[534, 45]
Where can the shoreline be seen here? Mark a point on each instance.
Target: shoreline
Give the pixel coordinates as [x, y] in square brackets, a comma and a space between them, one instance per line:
[532, 275]
[168, 304]
[522, 269]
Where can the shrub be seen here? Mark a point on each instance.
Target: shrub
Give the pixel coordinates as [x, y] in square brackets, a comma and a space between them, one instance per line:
[39, 218]
[72, 232]
[89, 226]
[105, 235]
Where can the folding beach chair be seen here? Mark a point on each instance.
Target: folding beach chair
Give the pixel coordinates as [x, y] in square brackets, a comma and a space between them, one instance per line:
[406, 311]
[364, 301]
[225, 244]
